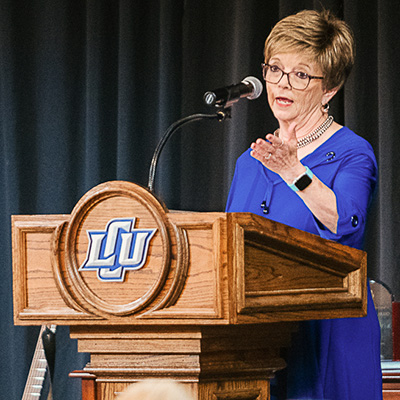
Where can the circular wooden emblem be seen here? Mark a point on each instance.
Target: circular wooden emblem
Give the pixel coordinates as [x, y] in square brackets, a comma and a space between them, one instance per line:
[117, 249]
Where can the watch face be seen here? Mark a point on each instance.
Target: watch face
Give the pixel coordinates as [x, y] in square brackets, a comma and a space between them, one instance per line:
[303, 182]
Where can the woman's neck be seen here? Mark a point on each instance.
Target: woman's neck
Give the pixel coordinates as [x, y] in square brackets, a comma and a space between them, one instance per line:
[306, 125]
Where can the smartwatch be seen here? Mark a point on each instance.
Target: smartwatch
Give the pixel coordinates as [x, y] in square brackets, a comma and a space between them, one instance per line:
[302, 181]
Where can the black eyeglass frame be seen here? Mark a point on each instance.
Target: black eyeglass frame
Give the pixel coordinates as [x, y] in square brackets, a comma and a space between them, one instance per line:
[264, 66]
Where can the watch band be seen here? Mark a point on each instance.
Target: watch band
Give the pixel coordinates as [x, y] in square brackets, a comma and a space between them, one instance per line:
[302, 181]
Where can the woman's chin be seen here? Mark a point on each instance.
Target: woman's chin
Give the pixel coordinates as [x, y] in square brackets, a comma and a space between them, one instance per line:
[283, 115]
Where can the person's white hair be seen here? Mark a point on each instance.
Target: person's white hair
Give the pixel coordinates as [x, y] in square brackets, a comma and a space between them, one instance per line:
[156, 389]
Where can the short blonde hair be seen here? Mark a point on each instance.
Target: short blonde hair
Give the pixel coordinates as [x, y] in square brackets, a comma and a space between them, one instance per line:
[325, 38]
[156, 389]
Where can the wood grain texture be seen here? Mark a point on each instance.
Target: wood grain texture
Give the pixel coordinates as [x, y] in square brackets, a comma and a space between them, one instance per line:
[204, 267]
[214, 304]
[286, 274]
[224, 361]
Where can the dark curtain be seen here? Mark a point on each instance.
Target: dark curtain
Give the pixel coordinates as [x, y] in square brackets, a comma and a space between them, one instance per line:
[88, 88]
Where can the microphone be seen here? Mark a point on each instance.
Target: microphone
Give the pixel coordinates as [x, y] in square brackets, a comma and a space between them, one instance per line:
[250, 88]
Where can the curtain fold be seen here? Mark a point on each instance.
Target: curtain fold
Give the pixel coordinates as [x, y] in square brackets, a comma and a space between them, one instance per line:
[88, 88]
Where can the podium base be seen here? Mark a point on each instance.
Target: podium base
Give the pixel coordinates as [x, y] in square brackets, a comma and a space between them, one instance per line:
[215, 362]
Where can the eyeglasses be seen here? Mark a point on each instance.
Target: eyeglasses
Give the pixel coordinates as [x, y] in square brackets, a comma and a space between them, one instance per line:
[297, 80]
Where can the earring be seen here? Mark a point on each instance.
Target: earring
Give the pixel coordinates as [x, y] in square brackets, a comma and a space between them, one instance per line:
[325, 108]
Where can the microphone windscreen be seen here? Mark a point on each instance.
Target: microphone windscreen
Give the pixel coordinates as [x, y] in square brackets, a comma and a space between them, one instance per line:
[257, 85]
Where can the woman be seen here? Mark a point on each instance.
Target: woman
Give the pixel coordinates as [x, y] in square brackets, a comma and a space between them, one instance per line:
[318, 176]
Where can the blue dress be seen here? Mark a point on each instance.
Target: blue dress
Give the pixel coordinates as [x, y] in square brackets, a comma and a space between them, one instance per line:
[336, 359]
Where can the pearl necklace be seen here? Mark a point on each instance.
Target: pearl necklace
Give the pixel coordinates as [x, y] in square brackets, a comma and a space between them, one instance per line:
[314, 135]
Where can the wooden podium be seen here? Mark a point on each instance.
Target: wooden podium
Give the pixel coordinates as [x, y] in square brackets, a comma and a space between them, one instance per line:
[208, 299]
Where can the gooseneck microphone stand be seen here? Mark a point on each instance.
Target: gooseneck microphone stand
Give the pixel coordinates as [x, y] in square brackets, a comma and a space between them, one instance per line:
[220, 115]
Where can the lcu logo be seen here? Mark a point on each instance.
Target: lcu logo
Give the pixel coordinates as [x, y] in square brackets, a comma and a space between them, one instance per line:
[117, 249]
